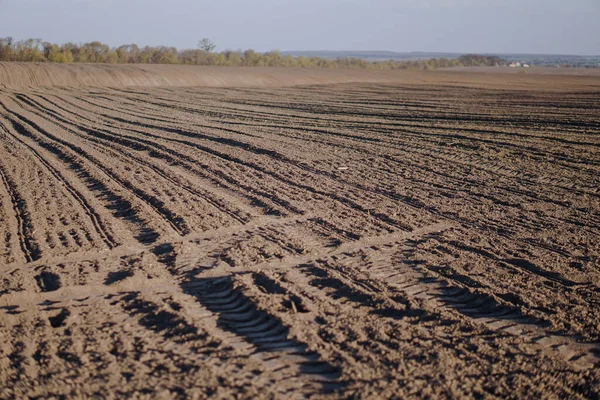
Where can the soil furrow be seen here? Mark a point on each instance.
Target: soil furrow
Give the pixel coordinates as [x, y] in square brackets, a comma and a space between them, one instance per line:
[240, 316]
[29, 247]
[421, 239]
[94, 217]
[119, 206]
[158, 205]
[107, 139]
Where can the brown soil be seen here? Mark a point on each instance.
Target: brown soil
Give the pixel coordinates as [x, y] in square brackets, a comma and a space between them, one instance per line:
[433, 238]
[36, 74]
[18, 75]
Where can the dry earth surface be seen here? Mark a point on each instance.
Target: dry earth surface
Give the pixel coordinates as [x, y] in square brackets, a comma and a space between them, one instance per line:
[426, 235]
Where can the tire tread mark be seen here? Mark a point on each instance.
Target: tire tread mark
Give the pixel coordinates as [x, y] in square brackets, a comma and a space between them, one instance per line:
[27, 243]
[79, 198]
[95, 134]
[175, 222]
[120, 207]
[279, 177]
[239, 315]
[258, 197]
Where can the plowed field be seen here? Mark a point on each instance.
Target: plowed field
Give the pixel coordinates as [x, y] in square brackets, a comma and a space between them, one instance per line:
[349, 240]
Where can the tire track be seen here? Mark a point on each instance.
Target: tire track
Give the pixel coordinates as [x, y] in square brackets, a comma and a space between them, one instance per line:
[404, 281]
[156, 204]
[487, 286]
[268, 201]
[94, 217]
[257, 167]
[240, 316]
[119, 206]
[176, 222]
[419, 205]
[439, 291]
[28, 244]
[104, 138]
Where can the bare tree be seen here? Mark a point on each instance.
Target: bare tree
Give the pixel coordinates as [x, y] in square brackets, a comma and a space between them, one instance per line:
[206, 45]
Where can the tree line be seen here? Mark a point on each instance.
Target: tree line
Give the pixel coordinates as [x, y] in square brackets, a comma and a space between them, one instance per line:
[37, 50]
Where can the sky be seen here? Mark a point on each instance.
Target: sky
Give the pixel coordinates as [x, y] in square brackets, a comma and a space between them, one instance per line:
[461, 26]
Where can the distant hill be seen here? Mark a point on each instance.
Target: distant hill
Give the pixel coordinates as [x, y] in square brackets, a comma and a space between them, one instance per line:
[533, 59]
[371, 55]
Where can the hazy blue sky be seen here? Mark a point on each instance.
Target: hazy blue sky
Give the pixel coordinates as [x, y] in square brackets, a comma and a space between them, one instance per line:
[521, 26]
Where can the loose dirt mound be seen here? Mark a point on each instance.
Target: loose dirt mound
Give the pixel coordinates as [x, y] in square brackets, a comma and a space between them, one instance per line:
[16, 75]
[34, 74]
[341, 241]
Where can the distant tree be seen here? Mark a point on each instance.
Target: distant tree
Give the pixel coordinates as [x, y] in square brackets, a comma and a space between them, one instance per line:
[251, 58]
[206, 45]
[95, 52]
[234, 58]
[30, 50]
[303, 62]
[220, 59]
[475, 60]
[6, 49]
[74, 50]
[128, 53]
[272, 58]
[146, 55]
[57, 54]
[35, 50]
[288, 61]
